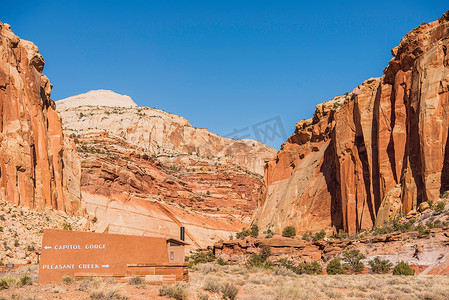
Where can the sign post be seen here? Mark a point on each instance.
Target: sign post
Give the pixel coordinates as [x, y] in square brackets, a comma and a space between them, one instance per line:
[96, 254]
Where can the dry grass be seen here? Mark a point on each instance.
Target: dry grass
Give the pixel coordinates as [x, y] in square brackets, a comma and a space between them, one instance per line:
[279, 284]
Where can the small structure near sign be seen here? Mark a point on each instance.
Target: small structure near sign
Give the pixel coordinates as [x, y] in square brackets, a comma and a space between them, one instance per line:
[81, 254]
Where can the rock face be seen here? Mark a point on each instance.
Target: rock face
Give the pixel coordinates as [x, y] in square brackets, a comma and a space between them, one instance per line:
[372, 153]
[38, 167]
[148, 172]
[155, 131]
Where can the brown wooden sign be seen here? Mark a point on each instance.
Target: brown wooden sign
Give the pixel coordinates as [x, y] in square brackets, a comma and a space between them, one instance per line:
[77, 253]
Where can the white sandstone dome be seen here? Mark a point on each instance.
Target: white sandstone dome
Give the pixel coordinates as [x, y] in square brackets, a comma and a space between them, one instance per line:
[96, 98]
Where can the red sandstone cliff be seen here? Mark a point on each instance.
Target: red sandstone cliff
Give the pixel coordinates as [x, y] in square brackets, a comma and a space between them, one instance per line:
[372, 153]
[38, 168]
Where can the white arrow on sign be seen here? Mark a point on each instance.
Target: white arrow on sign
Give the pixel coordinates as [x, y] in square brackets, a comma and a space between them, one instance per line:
[47, 247]
[105, 266]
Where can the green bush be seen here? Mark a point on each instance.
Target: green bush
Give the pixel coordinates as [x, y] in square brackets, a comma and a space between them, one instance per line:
[313, 268]
[256, 260]
[200, 258]
[422, 231]
[67, 226]
[440, 206]
[26, 280]
[403, 268]
[353, 261]
[252, 231]
[260, 260]
[319, 236]
[289, 231]
[334, 267]
[380, 266]
[306, 236]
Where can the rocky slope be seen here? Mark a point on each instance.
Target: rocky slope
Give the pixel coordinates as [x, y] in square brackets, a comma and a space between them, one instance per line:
[372, 153]
[148, 172]
[21, 231]
[38, 167]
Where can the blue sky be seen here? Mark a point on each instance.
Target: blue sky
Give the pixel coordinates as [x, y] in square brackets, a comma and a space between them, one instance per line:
[223, 65]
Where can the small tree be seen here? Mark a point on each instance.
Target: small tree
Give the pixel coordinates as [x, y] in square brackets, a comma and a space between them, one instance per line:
[380, 266]
[334, 267]
[403, 268]
[254, 230]
[353, 260]
[289, 231]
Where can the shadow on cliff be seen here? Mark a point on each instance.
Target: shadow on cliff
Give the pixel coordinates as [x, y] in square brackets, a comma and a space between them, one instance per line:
[329, 168]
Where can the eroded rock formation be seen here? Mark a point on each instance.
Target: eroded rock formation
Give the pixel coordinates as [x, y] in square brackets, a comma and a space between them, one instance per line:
[148, 172]
[372, 153]
[38, 167]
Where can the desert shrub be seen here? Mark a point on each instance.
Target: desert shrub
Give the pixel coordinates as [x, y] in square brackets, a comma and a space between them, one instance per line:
[221, 262]
[16, 243]
[67, 226]
[279, 270]
[289, 231]
[313, 268]
[252, 231]
[26, 280]
[341, 235]
[68, 279]
[380, 266]
[319, 235]
[265, 252]
[306, 236]
[200, 258]
[422, 231]
[260, 260]
[302, 268]
[229, 291]
[403, 268]
[203, 296]
[440, 206]
[110, 294]
[334, 267]
[435, 224]
[176, 291]
[135, 280]
[212, 286]
[8, 282]
[256, 260]
[89, 283]
[353, 261]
